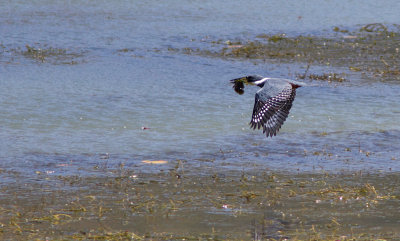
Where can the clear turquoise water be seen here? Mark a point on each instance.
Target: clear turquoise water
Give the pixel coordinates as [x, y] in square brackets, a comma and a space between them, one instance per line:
[58, 113]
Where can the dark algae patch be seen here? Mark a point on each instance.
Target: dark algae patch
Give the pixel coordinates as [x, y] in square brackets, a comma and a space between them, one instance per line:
[51, 55]
[41, 54]
[372, 50]
[177, 203]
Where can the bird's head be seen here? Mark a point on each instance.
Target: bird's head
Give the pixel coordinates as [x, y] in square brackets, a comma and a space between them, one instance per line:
[238, 84]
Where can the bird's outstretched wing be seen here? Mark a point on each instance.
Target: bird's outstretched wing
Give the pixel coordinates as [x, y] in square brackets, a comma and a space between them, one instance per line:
[271, 111]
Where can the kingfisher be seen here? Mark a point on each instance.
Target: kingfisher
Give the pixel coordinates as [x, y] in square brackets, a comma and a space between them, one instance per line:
[272, 102]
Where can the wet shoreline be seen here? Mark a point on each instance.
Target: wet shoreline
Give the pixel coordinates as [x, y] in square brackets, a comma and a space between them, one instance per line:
[175, 202]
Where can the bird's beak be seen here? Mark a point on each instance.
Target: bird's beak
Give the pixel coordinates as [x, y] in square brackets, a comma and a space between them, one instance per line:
[243, 80]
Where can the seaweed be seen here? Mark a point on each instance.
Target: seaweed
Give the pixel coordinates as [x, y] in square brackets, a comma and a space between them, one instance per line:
[43, 54]
[371, 50]
[124, 204]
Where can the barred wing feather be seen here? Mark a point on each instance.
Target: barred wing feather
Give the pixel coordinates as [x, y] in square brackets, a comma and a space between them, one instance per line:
[271, 113]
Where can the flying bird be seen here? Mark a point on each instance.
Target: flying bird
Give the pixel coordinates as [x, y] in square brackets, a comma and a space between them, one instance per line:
[272, 102]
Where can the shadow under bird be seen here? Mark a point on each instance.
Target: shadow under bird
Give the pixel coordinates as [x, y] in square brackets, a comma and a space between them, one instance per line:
[272, 102]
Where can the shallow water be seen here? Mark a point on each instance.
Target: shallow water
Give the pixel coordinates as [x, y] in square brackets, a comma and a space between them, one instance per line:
[100, 104]
[114, 75]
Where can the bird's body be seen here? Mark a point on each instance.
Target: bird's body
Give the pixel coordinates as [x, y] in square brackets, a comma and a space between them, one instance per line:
[272, 102]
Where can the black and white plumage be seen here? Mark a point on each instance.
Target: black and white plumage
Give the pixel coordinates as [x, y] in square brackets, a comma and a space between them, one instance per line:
[272, 102]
